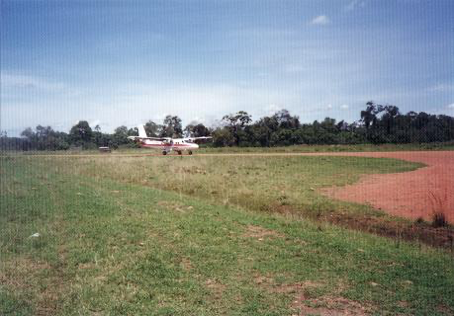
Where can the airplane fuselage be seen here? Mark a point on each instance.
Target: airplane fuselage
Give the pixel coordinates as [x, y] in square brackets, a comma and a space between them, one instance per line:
[167, 144]
[177, 144]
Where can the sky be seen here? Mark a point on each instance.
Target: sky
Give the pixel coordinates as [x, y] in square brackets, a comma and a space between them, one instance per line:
[118, 63]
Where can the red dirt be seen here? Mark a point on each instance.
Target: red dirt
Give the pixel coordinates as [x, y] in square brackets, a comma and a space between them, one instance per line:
[413, 194]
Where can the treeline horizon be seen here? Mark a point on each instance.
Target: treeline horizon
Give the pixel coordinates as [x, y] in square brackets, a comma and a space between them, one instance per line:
[379, 124]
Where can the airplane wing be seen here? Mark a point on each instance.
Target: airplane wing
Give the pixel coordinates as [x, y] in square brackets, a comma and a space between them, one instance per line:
[193, 139]
[151, 138]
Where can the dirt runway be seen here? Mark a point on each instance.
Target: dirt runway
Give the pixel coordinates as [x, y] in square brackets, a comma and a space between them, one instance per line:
[412, 194]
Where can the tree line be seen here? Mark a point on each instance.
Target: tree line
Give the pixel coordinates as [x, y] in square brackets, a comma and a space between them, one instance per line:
[379, 124]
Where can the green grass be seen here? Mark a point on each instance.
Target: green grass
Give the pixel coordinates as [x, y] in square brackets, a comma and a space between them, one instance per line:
[333, 148]
[266, 184]
[207, 148]
[156, 236]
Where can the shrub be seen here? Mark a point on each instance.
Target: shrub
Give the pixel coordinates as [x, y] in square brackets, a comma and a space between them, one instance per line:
[439, 220]
[420, 220]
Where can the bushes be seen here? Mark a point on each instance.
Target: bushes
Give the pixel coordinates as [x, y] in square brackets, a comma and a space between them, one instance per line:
[439, 220]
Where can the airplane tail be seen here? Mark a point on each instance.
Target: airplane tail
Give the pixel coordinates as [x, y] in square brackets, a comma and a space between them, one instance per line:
[142, 132]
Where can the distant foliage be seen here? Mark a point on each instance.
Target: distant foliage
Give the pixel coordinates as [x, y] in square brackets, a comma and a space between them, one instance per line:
[196, 130]
[379, 124]
[81, 135]
[171, 127]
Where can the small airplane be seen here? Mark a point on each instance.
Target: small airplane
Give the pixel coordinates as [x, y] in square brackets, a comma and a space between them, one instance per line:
[167, 144]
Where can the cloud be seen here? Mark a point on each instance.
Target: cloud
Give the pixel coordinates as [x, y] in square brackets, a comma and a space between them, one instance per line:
[23, 81]
[344, 106]
[320, 20]
[355, 4]
[95, 122]
[442, 87]
[272, 109]
[450, 106]
[329, 107]
[14, 84]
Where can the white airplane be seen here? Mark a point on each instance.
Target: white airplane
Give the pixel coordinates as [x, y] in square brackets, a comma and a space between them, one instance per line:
[167, 144]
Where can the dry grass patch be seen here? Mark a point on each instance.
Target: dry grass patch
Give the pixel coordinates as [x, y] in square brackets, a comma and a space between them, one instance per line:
[24, 274]
[304, 302]
[15, 273]
[326, 306]
[175, 206]
[186, 264]
[261, 233]
[215, 287]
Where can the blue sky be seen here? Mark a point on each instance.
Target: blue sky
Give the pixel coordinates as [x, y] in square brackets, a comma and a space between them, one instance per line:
[118, 63]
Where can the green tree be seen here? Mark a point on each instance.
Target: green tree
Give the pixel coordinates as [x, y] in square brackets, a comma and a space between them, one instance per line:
[81, 134]
[236, 124]
[196, 130]
[152, 129]
[222, 137]
[120, 136]
[172, 127]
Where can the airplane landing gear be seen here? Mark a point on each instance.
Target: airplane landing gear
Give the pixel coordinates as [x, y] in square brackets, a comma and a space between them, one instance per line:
[164, 152]
[179, 152]
[190, 152]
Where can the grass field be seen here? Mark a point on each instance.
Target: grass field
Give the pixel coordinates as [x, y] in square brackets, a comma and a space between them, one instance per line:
[205, 236]
[208, 149]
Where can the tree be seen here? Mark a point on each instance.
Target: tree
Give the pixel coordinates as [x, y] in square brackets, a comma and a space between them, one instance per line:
[236, 123]
[222, 137]
[120, 136]
[81, 134]
[133, 131]
[152, 129]
[241, 118]
[285, 120]
[28, 133]
[45, 138]
[197, 130]
[264, 129]
[172, 127]
[369, 116]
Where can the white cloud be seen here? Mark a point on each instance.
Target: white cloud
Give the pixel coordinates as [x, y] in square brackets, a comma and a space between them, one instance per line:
[23, 81]
[354, 4]
[14, 84]
[344, 106]
[272, 109]
[329, 107]
[321, 20]
[95, 122]
[450, 106]
[442, 87]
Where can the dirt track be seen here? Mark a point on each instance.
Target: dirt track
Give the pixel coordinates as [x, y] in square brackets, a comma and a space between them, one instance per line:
[411, 194]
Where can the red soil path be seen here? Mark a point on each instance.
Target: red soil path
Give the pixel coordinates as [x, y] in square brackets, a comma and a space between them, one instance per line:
[412, 194]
